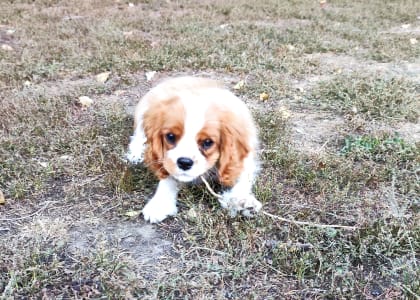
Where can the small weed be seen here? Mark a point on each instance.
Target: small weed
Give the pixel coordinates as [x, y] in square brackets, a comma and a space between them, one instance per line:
[378, 148]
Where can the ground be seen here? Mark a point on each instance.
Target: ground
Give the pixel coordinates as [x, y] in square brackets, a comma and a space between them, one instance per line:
[339, 147]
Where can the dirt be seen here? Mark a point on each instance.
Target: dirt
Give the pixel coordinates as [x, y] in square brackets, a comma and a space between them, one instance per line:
[141, 241]
[311, 132]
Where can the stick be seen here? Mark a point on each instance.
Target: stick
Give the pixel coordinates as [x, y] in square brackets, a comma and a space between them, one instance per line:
[284, 219]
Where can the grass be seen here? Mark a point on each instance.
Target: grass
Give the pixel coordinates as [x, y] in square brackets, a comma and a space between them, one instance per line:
[70, 225]
[373, 97]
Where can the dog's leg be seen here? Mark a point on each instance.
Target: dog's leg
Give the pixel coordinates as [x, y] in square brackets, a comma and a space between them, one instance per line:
[163, 203]
[137, 145]
[240, 198]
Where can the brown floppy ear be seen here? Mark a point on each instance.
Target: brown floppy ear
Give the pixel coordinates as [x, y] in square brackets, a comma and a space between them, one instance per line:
[234, 148]
[154, 154]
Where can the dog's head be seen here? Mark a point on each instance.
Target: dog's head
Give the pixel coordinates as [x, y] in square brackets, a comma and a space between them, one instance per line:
[190, 132]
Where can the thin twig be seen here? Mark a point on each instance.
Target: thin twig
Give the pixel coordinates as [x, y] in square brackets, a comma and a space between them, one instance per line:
[207, 249]
[210, 189]
[410, 291]
[323, 146]
[309, 223]
[284, 219]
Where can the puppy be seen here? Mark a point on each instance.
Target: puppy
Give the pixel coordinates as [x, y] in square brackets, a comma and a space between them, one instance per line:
[188, 127]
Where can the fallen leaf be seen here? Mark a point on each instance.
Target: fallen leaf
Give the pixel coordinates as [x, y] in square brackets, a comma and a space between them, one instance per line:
[150, 75]
[239, 85]
[85, 101]
[2, 200]
[119, 92]
[284, 113]
[102, 77]
[264, 96]
[6, 47]
[128, 34]
[132, 213]
[290, 47]
[192, 214]
[43, 164]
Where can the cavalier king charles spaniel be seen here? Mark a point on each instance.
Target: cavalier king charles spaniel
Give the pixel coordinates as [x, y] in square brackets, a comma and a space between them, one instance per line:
[188, 127]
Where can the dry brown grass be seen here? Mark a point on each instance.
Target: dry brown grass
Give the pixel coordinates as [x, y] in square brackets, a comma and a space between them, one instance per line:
[333, 150]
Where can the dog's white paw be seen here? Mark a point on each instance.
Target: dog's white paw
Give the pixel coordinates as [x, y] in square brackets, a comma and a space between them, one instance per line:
[156, 210]
[134, 157]
[136, 148]
[249, 206]
[246, 204]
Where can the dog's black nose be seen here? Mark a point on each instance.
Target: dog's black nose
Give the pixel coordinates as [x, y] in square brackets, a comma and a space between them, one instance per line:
[184, 163]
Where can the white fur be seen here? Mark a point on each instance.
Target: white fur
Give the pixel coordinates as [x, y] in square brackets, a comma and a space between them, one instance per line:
[137, 146]
[163, 203]
[240, 198]
[187, 146]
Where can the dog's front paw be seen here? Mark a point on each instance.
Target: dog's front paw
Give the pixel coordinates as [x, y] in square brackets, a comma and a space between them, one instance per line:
[157, 210]
[136, 148]
[249, 206]
[246, 204]
[134, 157]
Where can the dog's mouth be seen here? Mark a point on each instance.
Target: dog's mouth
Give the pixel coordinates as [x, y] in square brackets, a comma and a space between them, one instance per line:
[183, 177]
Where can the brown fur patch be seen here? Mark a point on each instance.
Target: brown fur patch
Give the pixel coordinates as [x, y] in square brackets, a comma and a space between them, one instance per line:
[162, 117]
[211, 130]
[233, 147]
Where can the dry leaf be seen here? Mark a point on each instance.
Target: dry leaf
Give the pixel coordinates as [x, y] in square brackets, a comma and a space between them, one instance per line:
[264, 96]
[284, 113]
[132, 213]
[290, 47]
[192, 214]
[150, 75]
[85, 101]
[2, 200]
[128, 34]
[239, 85]
[43, 164]
[102, 77]
[6, 47]
[119, 92]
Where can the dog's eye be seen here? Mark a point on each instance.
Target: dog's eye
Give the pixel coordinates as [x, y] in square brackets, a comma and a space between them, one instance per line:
[170, 138]
[206, 144]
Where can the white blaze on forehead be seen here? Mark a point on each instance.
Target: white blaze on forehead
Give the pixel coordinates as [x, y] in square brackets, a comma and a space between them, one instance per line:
[195, 107]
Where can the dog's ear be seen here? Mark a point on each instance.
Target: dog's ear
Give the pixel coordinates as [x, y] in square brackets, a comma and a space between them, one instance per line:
[154, 153]
[234, 148]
